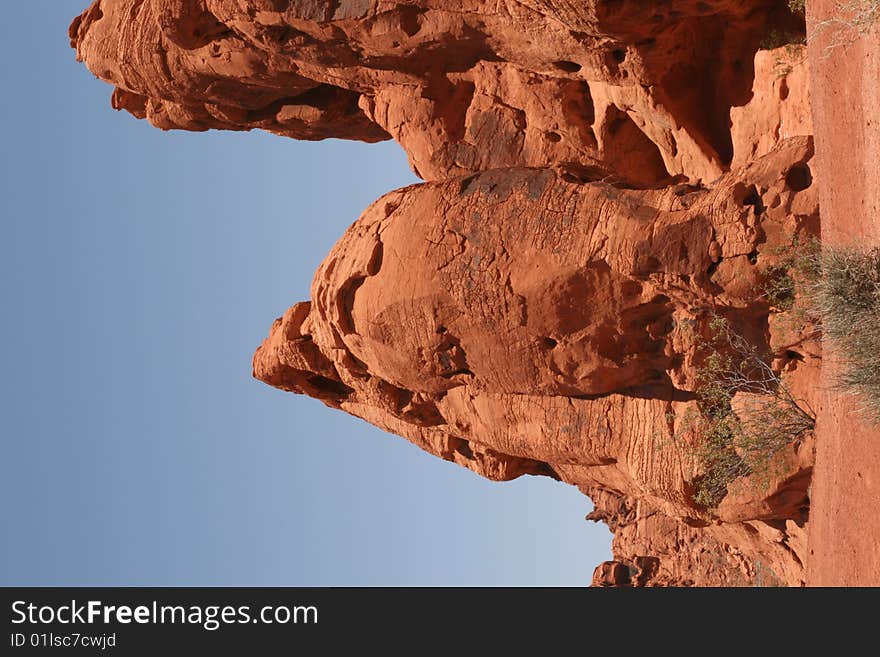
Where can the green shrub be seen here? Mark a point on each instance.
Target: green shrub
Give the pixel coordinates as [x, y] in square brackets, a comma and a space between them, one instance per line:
[846, 296]
[778, 38]
[788, 284]
[745, 441]
[838, 290]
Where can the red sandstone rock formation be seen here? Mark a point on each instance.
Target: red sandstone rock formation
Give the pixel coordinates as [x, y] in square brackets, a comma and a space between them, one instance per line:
[516, 322]
[643, 91]
[605, 177]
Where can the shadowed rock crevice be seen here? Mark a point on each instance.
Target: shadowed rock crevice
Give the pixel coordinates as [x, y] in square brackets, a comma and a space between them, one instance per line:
[629, 151]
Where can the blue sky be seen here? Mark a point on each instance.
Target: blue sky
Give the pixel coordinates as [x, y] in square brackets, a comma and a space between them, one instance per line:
[139, 271]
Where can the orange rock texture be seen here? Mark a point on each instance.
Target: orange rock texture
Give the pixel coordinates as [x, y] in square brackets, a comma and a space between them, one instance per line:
[603, 178]
[844, 537]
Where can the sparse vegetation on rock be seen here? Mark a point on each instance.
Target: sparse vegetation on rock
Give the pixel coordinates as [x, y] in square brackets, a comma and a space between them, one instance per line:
[838, 289]
[747, 415]
[849, 20]
[846, 296]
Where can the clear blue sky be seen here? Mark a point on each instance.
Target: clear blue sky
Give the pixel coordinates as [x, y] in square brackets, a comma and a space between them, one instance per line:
[139, 271]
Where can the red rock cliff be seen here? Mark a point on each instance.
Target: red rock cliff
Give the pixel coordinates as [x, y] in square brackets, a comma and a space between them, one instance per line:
[604, 178]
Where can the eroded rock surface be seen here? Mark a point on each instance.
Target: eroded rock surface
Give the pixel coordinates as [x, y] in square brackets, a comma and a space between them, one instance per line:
[639, 90]
[516, 322]
[604, 179]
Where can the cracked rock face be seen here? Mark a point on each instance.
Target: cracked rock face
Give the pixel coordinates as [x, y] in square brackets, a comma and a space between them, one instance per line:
[603, 179]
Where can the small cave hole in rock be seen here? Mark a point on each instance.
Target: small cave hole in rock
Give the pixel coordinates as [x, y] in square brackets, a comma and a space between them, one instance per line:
[441, 329]
[548, 343]
[619, 55]
[578, 110]
[630, 151]
[753, 257]
[568, 67]
[335, 388]
[650, 264]
[793, 355]
[410, 20]
[554, 137]
[798, 178]
[754, 199]
[464, 448]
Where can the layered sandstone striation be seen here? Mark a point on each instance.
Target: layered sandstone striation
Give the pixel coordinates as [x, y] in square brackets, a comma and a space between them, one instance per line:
[602, 180]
